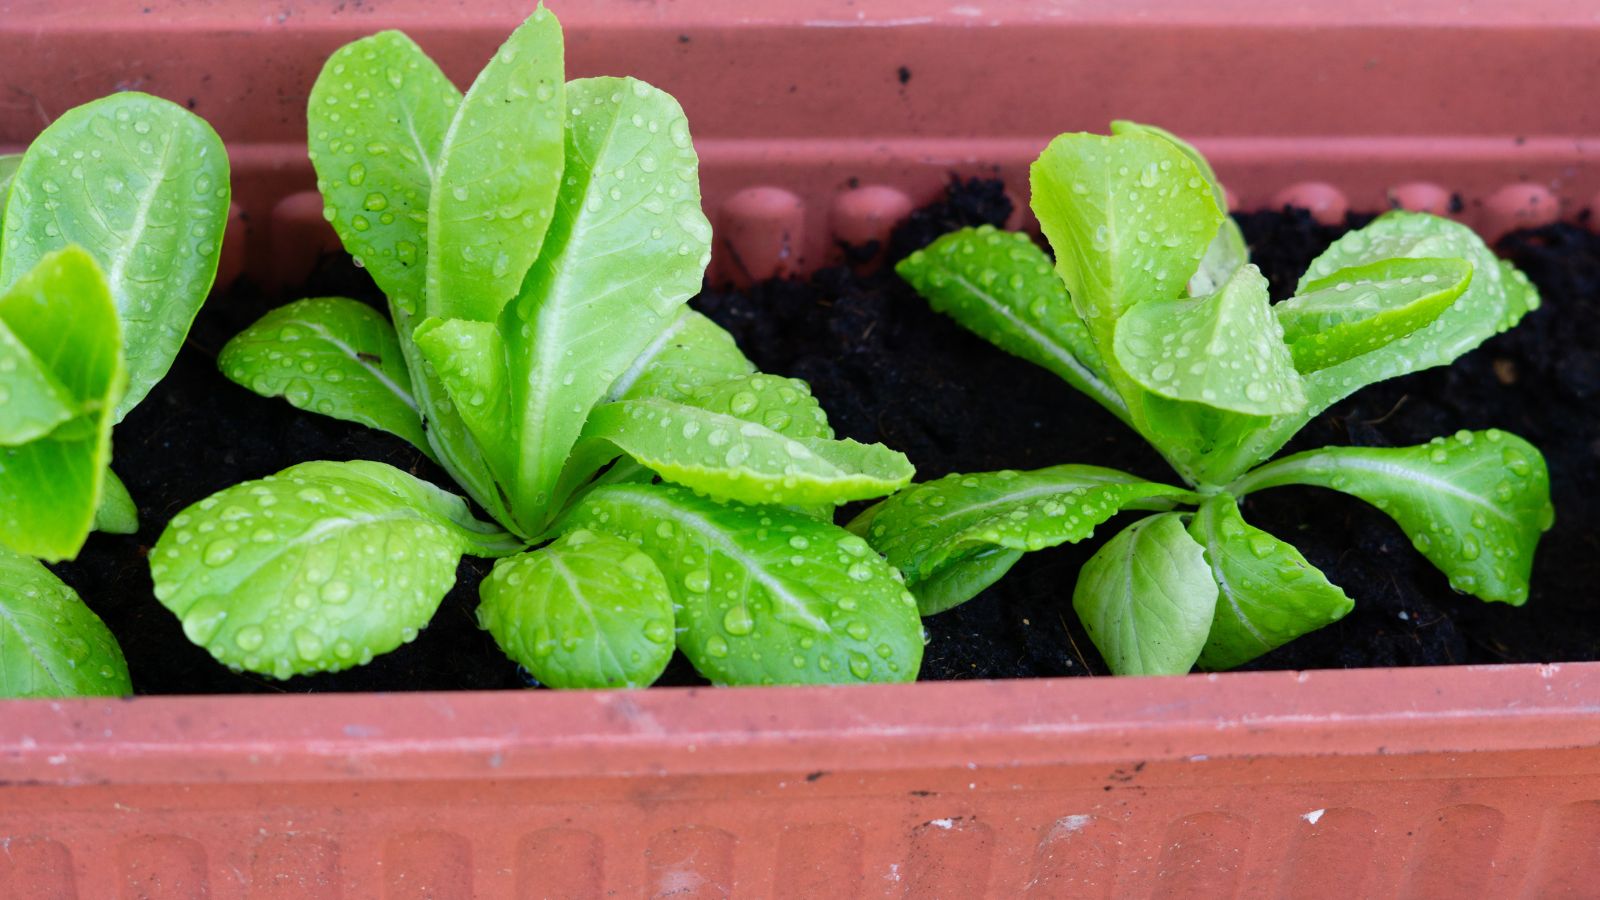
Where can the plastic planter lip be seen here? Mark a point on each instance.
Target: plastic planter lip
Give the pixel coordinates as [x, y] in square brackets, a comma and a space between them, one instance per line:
[678, 731]
[820, 120]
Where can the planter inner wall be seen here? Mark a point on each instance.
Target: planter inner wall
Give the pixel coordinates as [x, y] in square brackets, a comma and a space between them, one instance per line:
[816, 122]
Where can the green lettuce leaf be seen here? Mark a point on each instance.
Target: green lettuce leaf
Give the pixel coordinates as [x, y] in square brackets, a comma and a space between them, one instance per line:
[1267, 594]
[765, 595]
[781, 405]
[32, 401]
[1227, 251]
[375, 127]
[1125, 219]
[627, 247]
[587, 611]
[142, 185]
[51, 644]
[1147, 598]
[784, 405]
[730, 459]
[469, 359]
[1000, 286]
[1224, 351]
[1474, 504]
[317, 568]
[330, 355]
[8, 168]
[499, 167]
[943, 535]
[117, 514]
[376, 122]
[1496, 299]
[691, 353]
[1226, 254]
[1130, 217]
[1364, 308]
[1201, 164]
[59, 319]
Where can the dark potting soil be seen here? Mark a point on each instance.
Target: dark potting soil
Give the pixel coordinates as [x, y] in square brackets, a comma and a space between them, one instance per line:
[888, 369]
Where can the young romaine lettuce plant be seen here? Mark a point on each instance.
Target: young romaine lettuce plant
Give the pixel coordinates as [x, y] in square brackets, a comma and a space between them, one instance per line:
[110, 229]
[537, 241]
[1152, 309]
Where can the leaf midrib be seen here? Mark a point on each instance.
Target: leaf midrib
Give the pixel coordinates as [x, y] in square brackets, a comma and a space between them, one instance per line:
[355, 357]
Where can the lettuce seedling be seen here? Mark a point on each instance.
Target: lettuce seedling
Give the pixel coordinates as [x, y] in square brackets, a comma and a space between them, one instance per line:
[1152, 309]
[537, 241]
[110, 226]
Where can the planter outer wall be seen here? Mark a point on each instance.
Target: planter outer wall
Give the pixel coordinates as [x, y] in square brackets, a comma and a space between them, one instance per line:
[1467, 782]
[819, 121]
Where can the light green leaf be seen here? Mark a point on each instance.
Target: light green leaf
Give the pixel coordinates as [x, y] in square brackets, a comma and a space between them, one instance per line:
[499, 168]
[51, 644]
[34, 402]
[587, 611]
[765, 595]
[141, 184]
[946, 531]
[469, 359]
[1497, 297]
[1267, 594]
[1225, 351]
[962, 579]
[1201, 164]
[317, 568]
[1364, 308]
[377, 181]
[784, 405]
[1227, 251]
[8, 167]
[331, 355]
[50, 487]
[728, 458]
[1147, 598]
[117, 514]
[1129, 218]
[1000, 286]
[1226, 255]
[1474, 504]
[691, 353]
[621, 256]
[376, 121]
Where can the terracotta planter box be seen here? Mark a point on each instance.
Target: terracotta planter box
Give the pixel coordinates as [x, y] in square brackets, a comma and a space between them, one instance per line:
[820, 121]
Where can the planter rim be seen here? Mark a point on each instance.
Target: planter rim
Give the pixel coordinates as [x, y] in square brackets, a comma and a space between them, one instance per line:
[137, 14]
[1072, 721]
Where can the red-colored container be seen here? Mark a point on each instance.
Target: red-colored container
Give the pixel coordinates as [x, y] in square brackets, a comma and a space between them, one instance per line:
[821, 120]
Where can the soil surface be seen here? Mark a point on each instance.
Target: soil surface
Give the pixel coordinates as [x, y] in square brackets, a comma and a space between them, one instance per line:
[888, 369]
